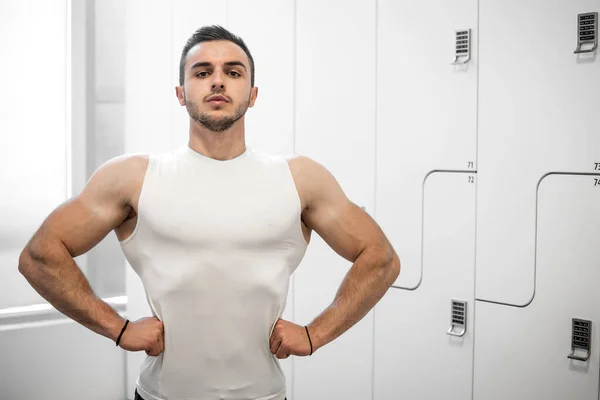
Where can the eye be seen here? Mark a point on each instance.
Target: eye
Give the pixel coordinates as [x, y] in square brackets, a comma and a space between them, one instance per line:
[200, 73]
[235, 72]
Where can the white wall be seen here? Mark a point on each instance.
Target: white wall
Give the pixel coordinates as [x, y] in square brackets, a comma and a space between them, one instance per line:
[33, 131]
[72, 101]
[538, 214]
[426, 188]
[451, 161]
[378, 102]
[46, 356]
[335, 125]
[106, 128]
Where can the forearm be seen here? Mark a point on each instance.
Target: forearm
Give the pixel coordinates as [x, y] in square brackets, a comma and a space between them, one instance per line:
[58, 279]
[366, 282]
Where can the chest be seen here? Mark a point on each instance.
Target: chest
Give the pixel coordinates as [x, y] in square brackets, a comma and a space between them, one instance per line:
[251, 212]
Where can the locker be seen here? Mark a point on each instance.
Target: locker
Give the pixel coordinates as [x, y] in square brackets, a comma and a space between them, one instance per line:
[415, 357]
[522, 353]
[426, 113]
[334, 122]
[538, 108]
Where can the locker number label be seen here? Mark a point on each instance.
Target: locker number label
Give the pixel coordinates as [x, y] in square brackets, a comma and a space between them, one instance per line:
[472, 179]
[596, 182]
[597, 166]
[471, 164]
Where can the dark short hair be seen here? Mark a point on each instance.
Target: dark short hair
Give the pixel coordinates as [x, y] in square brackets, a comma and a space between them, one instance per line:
[208, 34]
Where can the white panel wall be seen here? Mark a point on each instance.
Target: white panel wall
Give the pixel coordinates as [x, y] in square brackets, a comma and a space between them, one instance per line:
[415, 357]
[370, 93]
[538, 108]
[59, 360]
[426, 113]
[105, 72]
[521, 354]
[43, 58]
[536, 218]
[426, 122]
[33, 132]
[335, 121]
[406, 112]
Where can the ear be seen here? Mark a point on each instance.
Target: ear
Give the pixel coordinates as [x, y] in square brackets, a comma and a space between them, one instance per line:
[180, 93]
[253, 95]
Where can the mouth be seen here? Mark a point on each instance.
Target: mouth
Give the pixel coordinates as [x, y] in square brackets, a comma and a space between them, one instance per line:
[218, 99]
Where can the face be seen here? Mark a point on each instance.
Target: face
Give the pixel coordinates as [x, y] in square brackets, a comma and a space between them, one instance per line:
[217, 68]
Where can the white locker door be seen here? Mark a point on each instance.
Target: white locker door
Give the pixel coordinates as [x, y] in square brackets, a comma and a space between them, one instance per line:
[521, 353]
[426, 113]
[538, 113]
[415, 357]
[335, 122]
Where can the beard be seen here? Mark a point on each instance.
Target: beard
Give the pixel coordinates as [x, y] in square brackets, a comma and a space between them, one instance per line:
[216, 124]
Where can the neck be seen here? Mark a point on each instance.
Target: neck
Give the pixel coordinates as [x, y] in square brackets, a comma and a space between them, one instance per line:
[224, 145]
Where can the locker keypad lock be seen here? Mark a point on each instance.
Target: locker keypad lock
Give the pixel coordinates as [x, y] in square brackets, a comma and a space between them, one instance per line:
[458, 318]
[587, 32]
[463, 47]
[581, 339]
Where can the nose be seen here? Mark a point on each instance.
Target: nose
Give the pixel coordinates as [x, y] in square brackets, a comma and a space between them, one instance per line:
[218, 81]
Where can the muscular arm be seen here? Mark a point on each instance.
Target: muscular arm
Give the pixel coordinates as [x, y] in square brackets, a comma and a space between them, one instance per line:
[72, 229]
[355, 236]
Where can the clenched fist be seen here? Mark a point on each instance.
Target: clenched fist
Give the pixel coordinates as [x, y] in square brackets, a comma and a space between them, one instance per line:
[288, 338]
[144, 334]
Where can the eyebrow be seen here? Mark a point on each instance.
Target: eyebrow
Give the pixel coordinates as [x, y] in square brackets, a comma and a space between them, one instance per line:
[209, 64]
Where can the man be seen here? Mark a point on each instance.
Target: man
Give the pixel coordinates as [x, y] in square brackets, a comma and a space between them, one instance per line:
[214, 230]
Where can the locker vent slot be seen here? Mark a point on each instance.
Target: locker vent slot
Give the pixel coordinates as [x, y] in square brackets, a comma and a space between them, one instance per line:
[463, 46]
[581, 339]
[458, 317]
[587, 32]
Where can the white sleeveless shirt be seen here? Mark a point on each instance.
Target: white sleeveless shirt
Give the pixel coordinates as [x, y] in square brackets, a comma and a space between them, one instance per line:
[214, 245]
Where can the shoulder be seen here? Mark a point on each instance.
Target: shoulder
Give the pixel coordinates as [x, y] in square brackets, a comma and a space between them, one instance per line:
[307, 168]
[313, 179]
[299, 161]
[123, 168]
[120, 176]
